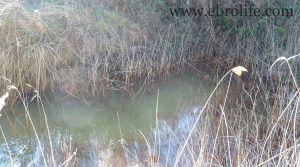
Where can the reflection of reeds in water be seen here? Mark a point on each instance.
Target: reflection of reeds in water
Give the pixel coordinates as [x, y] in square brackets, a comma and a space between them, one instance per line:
[57, 47]
[48, 158]
[240, 135]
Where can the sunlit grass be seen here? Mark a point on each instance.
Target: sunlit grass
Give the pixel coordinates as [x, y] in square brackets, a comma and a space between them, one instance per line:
[87, 49]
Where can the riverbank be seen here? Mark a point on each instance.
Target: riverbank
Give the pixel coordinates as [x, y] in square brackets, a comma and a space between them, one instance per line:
[88, 49]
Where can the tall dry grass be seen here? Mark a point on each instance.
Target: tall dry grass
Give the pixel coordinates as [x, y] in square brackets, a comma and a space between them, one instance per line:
[47, 155]
[240, 130]
[88, 48]
[247, 130]
[250, 128]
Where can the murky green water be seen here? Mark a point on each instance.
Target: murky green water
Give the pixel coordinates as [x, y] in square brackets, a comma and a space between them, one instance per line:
[98, 121]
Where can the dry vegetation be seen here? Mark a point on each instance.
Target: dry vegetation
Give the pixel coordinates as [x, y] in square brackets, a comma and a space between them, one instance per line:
[88, 48]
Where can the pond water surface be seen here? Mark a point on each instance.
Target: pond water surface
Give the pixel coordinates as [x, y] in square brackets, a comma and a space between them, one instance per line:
[97, 124]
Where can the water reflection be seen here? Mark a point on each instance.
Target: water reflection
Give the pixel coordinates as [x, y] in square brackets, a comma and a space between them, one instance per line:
[91, 127]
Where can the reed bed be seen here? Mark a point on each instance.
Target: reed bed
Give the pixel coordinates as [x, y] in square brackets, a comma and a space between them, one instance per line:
[251, 128]
[88, 48]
